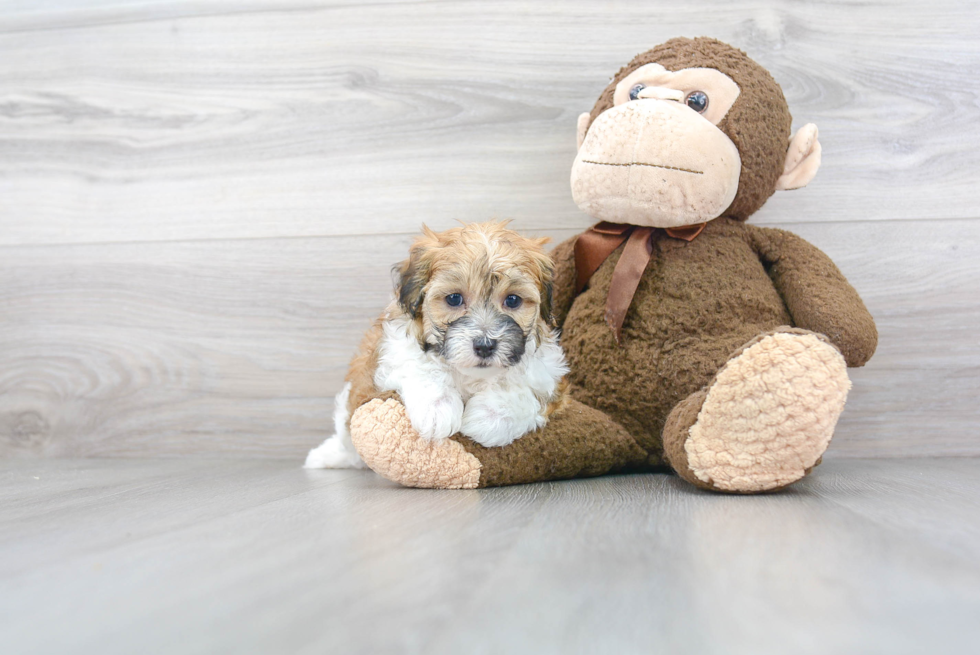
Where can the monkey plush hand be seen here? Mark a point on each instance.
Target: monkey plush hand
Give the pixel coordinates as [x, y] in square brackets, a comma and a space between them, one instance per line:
[695, 341]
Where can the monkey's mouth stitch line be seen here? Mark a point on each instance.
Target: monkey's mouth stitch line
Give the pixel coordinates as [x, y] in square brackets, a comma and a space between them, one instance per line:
[639, 163]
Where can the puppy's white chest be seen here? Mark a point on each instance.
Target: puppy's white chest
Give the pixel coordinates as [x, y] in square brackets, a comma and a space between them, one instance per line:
[492, 406]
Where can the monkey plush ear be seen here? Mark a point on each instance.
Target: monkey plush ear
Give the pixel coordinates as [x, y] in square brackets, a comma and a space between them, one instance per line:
[583, 126]
[802, 159]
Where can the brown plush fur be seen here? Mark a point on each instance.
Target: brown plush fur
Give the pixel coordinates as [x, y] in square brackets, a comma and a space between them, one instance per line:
[566, 448]
[698, 302]
[675, 434]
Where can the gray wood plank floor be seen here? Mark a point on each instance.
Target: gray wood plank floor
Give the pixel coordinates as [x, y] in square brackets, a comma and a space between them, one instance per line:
[124, 556]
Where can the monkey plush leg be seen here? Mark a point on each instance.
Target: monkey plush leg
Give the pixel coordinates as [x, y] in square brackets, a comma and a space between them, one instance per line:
[765, 419]
[385, 439]
[578, 441]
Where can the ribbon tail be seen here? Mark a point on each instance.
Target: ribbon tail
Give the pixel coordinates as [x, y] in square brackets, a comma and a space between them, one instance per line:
[626, 278]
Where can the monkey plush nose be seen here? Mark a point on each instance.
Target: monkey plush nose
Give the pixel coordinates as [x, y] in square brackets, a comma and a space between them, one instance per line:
[660, 93]
[484, 347]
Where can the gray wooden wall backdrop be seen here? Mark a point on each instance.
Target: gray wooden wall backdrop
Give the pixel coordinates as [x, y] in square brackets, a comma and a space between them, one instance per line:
[200, 200]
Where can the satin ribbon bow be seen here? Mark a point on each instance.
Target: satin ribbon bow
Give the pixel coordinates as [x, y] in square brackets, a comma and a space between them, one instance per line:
[593, 247]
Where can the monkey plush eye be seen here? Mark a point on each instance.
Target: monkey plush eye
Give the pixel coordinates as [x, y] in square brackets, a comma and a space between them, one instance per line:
[697, 100]
[454, 299]
[635, 91]
[512, 301]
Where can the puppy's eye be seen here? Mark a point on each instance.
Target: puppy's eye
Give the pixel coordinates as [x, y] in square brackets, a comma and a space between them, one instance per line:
[697, 100]
[454, 299]
[512, 301]
[635, 91]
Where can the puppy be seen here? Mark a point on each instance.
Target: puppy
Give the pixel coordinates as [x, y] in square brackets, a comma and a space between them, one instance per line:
[469, 343]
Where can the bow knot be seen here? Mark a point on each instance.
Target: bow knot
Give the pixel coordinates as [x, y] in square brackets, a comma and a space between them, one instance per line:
[594, 247]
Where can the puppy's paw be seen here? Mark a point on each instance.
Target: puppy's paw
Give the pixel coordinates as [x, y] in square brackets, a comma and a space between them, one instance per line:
[434, 413]
[492, 420]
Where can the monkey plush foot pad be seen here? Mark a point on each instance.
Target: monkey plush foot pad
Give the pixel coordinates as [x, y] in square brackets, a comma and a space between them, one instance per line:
[769, 414]
[385, 439]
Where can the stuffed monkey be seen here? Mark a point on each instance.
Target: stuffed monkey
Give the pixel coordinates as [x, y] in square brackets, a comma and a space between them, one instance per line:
[695, 341]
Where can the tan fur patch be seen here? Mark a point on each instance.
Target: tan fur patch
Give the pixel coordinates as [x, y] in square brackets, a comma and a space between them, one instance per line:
[483, 263]
[769, 415]
[387, 442]
[360, 374]
[560, 402]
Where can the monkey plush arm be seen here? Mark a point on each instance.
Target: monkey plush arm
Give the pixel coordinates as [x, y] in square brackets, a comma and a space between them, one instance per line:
[817, 295]
[565, 279]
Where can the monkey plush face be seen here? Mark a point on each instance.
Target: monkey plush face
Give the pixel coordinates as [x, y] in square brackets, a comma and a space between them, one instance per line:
[685, 133]
[643, 160]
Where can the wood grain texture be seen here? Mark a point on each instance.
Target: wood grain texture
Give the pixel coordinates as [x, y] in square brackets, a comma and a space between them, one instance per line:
[126, 121]
[199, 203]
[864, 556]
[237, 347]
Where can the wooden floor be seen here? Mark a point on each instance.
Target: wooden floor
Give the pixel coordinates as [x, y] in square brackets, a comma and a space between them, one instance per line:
[196, 556]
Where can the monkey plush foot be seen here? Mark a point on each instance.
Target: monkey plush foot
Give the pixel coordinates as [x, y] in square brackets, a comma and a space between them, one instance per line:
[766, 418]
[385, 439]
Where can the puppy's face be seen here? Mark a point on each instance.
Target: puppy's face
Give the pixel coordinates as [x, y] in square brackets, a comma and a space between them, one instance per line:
[478, 295]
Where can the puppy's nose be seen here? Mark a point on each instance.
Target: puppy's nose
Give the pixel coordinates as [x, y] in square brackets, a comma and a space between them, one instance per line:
[484, 347]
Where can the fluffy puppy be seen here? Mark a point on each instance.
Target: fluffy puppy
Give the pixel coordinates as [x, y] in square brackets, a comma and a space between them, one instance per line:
[469, 343]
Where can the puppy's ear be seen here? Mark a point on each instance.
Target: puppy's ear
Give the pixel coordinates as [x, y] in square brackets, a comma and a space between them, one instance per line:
[547, 300]
[409, 284]
[546, 282]
[412, 275]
